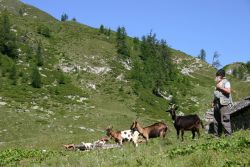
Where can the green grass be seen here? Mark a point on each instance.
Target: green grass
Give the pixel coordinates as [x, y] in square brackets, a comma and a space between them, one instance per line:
[206, 151]
[44, 119]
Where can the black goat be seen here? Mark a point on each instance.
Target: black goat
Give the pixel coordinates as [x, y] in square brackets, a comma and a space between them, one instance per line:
[186, 123]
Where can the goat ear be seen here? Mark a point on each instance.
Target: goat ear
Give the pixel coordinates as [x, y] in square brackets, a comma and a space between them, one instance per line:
[136, 119]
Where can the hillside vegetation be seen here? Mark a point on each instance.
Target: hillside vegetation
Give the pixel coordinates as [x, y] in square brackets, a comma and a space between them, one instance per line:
[65, 82]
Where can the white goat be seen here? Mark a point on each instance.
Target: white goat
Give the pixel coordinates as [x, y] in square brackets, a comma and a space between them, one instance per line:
[125, 135]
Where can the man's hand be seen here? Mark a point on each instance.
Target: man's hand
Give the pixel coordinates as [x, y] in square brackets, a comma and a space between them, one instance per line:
[219, 85]
[225, 90]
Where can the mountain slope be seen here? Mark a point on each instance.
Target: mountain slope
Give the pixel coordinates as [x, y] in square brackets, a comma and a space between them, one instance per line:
[97, 91]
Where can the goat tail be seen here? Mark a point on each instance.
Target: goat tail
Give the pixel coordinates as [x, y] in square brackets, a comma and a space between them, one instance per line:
[165, 129]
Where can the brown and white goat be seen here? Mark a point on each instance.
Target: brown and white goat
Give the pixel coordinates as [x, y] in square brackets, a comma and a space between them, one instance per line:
[156, 130]
[120, 136]
[185, 123]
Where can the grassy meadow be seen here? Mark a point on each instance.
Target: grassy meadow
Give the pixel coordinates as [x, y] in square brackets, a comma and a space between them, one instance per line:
[87, 86]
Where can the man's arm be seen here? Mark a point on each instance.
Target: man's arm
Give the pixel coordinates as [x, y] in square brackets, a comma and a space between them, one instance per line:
[226, 90]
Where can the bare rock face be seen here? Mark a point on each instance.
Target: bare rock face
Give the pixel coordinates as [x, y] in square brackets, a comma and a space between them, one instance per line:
[3, 103]
[248, 79]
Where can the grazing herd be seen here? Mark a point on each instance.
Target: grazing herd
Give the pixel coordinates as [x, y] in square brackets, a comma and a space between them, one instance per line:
[181, 123]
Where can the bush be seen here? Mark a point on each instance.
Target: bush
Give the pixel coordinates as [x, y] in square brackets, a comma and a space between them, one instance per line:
[6, 64]
[239, 72]
[61, 78]
[44, 30]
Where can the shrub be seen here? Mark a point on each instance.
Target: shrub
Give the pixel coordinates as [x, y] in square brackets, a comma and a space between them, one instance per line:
[61, 78]
[44, 30]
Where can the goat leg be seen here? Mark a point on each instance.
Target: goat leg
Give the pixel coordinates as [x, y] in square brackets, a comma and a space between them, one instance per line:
[120, 142]
[193, 132]
[146, 137]
[198, 132]
[178, 133]
[182, 134]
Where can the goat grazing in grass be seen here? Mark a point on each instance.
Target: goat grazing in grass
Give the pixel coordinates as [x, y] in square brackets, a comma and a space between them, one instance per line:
[87, 146]
[101, 141]
[156, 130]
[185, 123]
[125, 135]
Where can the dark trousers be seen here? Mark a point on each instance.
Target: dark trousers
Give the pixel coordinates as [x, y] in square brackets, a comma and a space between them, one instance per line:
[222, 120]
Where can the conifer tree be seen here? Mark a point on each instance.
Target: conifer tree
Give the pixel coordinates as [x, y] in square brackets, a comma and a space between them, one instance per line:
[216, 61]
[13, 74]
[102, 29]
[36, 78]
[136, 42]
[39, 55]
[109, 32]
[121, 42]
[156, 67]
[64, 17]
[202, 55]
[7, 38]
[20, 12]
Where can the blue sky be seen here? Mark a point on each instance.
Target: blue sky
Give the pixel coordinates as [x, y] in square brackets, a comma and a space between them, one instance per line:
[187, 25]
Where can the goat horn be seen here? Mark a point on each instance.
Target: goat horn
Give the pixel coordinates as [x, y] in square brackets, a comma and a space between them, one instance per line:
[173, 105]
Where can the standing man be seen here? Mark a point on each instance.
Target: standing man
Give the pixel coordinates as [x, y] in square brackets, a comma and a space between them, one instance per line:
[222, 103]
